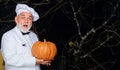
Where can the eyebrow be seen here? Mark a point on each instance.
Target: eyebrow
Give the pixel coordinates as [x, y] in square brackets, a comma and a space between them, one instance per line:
[24, 15]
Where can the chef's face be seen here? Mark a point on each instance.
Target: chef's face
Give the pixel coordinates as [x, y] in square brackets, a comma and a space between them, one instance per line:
[24, 21]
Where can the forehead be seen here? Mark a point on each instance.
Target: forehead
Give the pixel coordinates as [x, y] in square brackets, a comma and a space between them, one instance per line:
[25, 14]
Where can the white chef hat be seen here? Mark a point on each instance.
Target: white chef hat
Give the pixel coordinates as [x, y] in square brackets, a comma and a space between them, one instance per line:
[25, 8]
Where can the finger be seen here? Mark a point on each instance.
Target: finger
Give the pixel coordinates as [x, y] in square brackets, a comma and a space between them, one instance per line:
[48, 64]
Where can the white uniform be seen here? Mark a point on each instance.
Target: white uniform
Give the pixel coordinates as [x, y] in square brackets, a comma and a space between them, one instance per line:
[16, 50]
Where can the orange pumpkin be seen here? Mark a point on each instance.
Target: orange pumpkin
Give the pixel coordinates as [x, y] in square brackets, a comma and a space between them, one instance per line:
[44, 50]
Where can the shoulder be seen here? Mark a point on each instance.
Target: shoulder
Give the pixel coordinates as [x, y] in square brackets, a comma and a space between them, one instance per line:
[9, 33]
[32, 33]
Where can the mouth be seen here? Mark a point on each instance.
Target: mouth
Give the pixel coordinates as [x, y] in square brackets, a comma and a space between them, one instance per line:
[25, 26]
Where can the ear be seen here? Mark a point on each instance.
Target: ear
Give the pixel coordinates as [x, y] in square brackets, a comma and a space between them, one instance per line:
[15, 18]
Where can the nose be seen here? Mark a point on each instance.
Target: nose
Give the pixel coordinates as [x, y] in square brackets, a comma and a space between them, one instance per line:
[26, 20]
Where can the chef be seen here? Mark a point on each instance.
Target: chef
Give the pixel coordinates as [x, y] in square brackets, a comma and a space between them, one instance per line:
[16, 43]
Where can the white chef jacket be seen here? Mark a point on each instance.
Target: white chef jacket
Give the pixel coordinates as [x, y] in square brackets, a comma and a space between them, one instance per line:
[16, 50]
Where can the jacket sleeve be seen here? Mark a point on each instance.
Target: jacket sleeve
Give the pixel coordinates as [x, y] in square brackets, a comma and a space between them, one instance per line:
[9, 51]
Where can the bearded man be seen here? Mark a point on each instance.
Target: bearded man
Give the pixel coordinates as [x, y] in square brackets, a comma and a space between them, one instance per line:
[16, 43]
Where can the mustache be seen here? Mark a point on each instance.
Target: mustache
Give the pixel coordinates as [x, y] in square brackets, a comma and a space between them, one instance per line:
[25, 28]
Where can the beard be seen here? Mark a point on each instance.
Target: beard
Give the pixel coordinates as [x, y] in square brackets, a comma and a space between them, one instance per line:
[24, 29]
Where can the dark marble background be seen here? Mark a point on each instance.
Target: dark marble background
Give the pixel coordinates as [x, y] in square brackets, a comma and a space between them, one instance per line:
[86, 32]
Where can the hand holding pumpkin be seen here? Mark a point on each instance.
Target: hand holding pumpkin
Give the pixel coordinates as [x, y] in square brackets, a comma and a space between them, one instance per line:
[43, 62]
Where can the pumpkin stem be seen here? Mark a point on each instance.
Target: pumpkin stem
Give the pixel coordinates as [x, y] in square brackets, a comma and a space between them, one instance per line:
[44, 40]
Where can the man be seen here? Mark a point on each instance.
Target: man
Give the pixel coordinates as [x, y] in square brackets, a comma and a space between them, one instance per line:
[16, 43]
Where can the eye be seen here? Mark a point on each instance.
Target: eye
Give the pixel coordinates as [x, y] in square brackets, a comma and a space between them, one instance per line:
[30, 18]
[22, 17]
